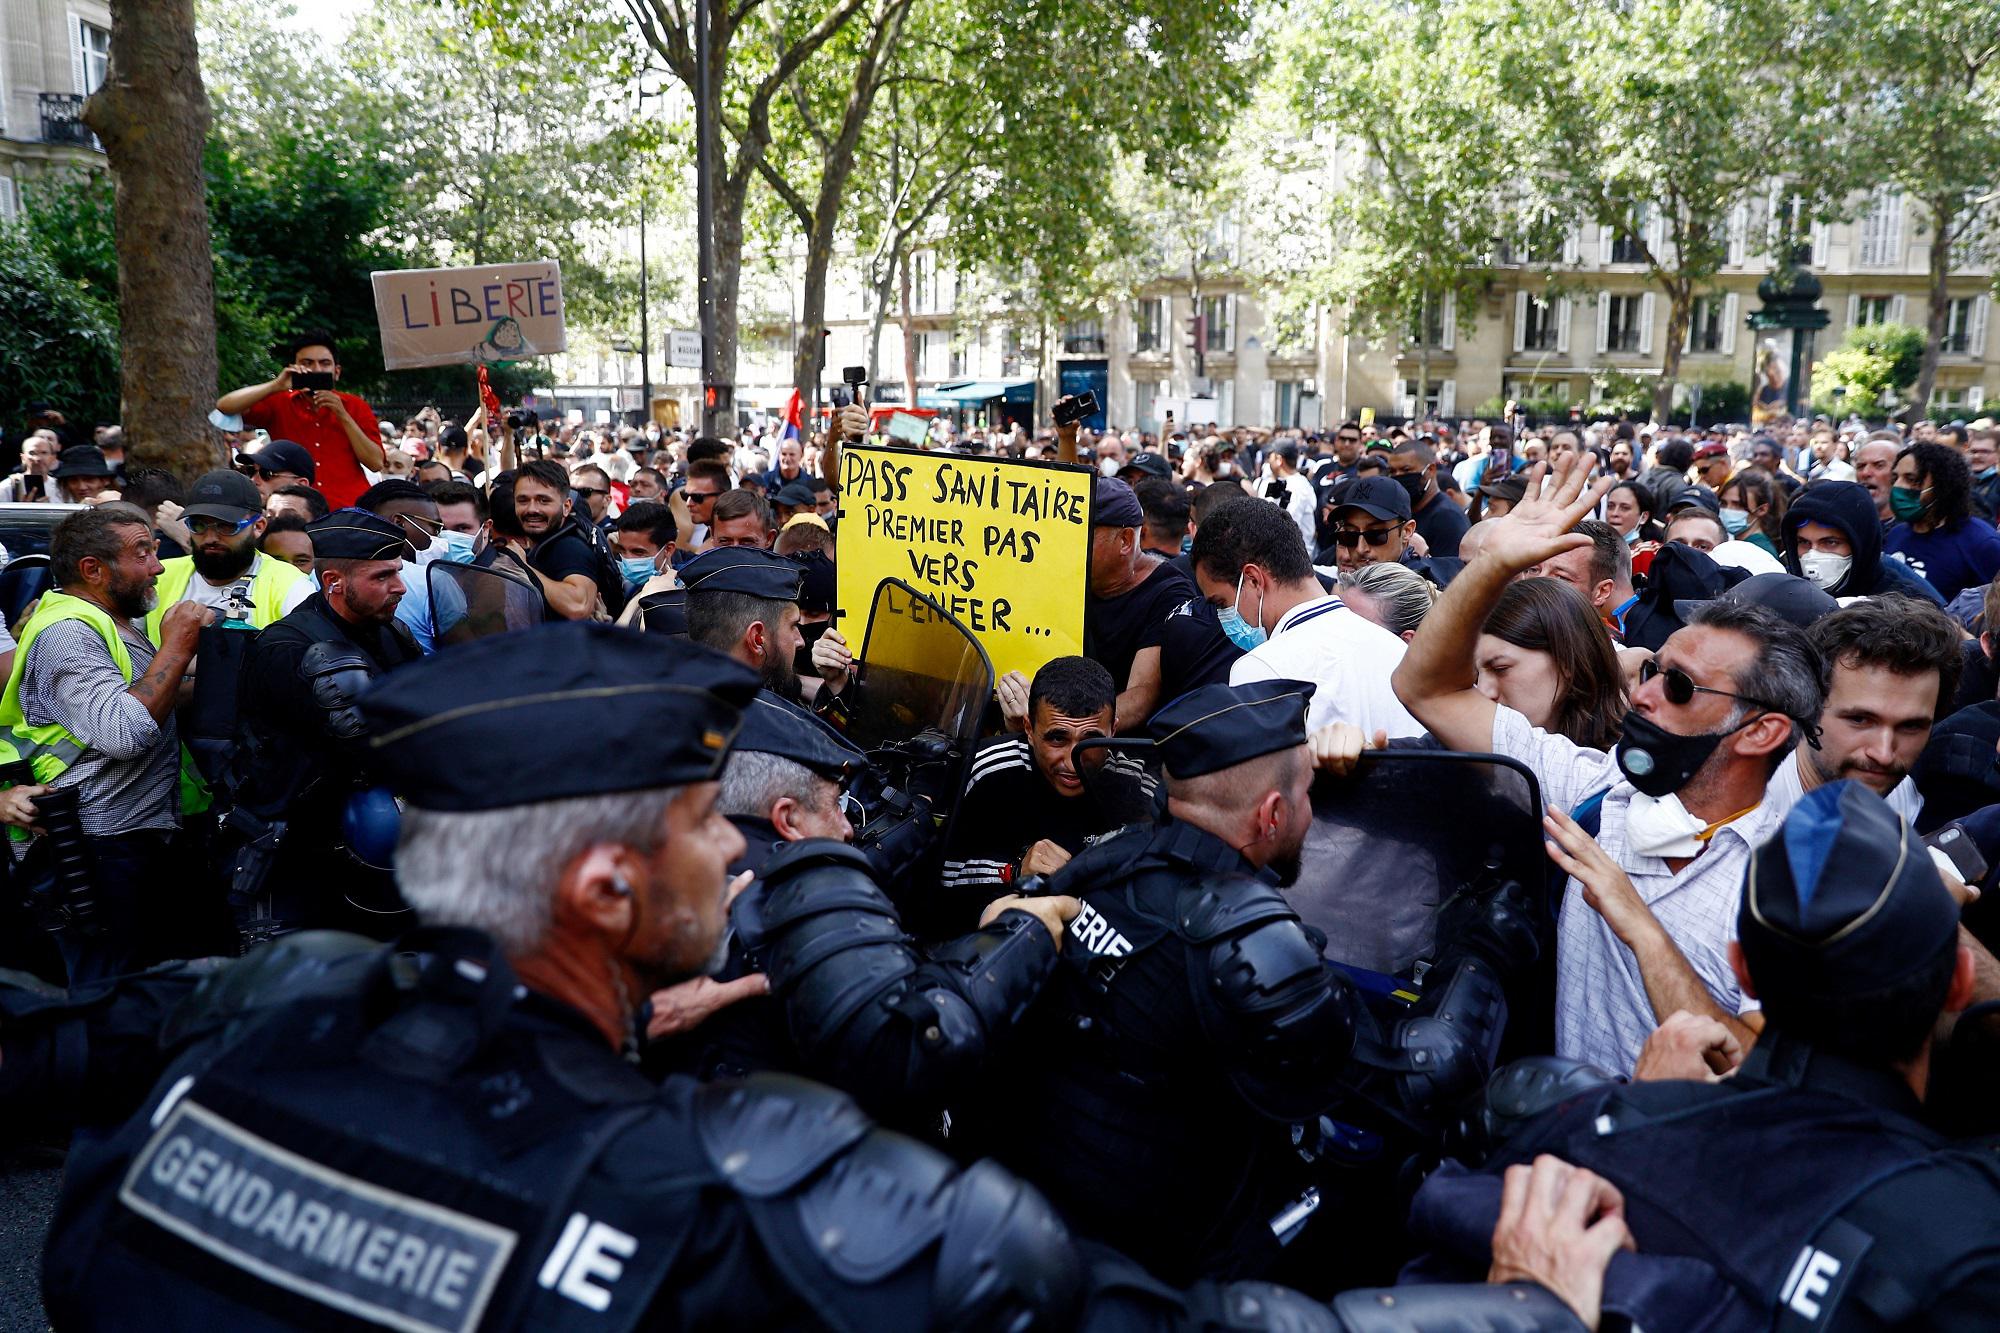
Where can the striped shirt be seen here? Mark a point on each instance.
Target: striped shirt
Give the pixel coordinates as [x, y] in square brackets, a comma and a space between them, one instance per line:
[1603, 1015]
[129, 775]
[1008, 807]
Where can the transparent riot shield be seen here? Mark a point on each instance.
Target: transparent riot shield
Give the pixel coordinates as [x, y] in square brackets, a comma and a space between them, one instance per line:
[476, 601]
[921, 684]
[1409, 828]
[920, 670]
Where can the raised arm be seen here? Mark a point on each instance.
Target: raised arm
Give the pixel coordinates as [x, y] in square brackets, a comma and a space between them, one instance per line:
[1435, 679]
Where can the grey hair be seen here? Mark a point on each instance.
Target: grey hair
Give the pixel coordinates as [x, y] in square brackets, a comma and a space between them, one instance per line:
[1784, 677]
[496, 870]
[1404, 595]
[753, 781]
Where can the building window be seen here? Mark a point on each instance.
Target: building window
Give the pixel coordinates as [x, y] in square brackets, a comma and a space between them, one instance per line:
[1542, 324]
[1083, 337]
[1626, 249]
[1217, 314]
[1149, 324]
[1433, 324]
[1712, 325]
[1882, 230]
[957, 361]
[1286, 401]
[92, 56]
[1622, 322]
[1872, 310]
[1145, 393]
[1011, 356]
[1440, 399]
[1965, 326]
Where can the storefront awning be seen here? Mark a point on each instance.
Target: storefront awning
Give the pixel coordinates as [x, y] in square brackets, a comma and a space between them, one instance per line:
[978, 391]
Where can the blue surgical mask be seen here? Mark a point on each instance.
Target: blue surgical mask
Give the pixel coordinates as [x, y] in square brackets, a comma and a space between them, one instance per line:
[1737, 521]
[457, 547]
[1632, 537]
[1187, 544]
[1987, 473]
[1240, 631]
[637, 569]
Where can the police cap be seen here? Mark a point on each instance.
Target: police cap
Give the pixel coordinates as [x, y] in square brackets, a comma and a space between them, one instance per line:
[745, 569]
[773, 726]
[475, 702]
[356, 534]
[1844, 901]
[1220, 726]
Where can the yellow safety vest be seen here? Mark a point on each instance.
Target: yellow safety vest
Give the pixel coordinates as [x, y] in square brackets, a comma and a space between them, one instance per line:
[269, 587]
[51, 747]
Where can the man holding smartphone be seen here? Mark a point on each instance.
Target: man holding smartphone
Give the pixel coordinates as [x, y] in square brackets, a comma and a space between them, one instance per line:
[337, 429]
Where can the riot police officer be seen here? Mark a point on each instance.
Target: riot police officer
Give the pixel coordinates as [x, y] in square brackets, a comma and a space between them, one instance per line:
[1805, 1191]
[1192, 1016]
[442, 1135]
[301, 757]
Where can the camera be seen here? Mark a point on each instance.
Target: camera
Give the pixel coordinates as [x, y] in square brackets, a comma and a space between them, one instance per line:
[1068, 411]
[522, 418]
[311, 381]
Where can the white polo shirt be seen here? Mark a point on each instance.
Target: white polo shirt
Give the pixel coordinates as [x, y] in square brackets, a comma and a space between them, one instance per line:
[1346, 656]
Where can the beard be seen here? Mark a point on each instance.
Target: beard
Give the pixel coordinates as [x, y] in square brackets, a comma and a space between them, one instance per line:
[781, 676]
[131, 599]
[1287, 867]
[224, 565]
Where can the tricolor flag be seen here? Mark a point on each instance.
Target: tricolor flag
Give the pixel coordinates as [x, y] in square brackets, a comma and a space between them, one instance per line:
[792, 423]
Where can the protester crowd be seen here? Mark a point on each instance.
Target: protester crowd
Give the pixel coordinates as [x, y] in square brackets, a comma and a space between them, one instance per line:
[574, 715]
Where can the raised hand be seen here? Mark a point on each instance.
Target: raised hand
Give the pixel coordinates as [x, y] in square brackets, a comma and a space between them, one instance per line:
[1540, 527]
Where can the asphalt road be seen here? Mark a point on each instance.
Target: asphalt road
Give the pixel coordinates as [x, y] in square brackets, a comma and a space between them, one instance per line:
[29, 1178]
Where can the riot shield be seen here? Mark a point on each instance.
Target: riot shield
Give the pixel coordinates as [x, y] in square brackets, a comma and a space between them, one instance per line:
[1395, 839]
[919, 670]
[921, 684]
[475, 601]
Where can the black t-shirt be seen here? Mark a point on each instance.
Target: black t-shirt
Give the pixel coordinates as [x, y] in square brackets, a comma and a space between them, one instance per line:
[562, 553]
[1441, 523]
[1193, 651]
[1116, 628]
[1008, 807]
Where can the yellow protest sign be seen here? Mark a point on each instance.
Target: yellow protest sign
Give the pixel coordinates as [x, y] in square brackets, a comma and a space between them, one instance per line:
[1001, 544]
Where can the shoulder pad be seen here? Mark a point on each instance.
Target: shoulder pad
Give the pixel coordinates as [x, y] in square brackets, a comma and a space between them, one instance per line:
[1006, 1261]
[1217, 908]
[1525, 1088]
[768, 1132]
[828, 877]
[278, 972]
[878, 1207]
[330, 656]
[1519, 1307]
[1260, 1307]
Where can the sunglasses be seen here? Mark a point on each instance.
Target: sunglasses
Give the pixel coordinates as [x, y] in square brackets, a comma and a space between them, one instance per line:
[1355, 536]
[588, 491]
[693, 496]
[202, 523]
[1680, 688]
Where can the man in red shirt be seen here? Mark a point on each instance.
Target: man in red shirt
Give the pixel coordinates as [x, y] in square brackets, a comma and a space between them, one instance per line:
[338, 429]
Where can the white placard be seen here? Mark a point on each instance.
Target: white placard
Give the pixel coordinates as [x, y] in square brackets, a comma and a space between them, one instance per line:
[469, 316]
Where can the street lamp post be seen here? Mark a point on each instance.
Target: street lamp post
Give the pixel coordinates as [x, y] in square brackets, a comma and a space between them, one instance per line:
[645, 325]
[715, 398]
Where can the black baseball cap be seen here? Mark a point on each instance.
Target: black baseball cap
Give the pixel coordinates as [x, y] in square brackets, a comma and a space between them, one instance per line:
[1113, 505]
[1695, 497]
[1378, 497]
[1148, 464]
[225, 495]
[281, 456]
[1786, 596]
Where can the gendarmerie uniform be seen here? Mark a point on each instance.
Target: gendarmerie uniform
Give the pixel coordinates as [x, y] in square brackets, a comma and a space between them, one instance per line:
[331, 1136]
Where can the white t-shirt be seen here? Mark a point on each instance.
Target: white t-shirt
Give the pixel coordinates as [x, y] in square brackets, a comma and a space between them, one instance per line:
[1302, 505]
[1788, 785]
[1346, 656]
[203, 593]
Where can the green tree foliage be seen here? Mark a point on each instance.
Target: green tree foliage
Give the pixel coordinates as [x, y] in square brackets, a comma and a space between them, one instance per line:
[56, 345]
[1922, 94]
[1871, 361]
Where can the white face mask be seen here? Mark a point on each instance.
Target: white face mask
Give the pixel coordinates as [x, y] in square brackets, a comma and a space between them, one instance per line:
[1661, 826]
[1823, 570]
[1108, 466]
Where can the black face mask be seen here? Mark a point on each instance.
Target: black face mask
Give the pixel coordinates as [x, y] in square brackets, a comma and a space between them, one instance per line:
[810, 633]
[1413, 483]
[1658, 762]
